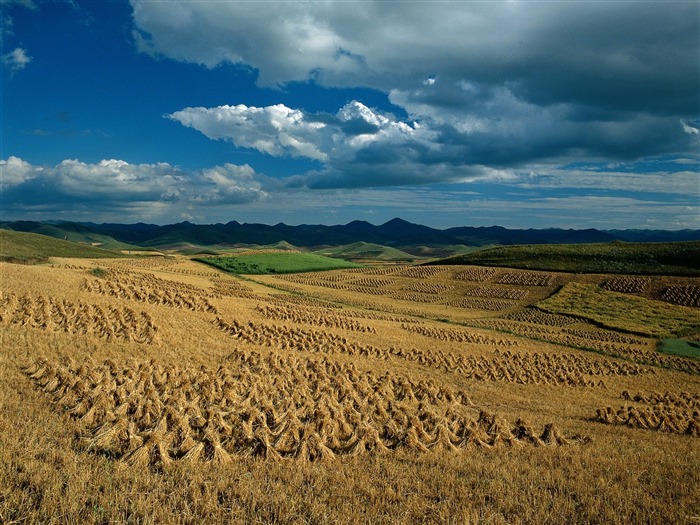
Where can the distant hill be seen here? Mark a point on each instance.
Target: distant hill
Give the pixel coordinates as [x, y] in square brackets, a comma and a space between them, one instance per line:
[364, 251]
[22, 247]
[680, 258]
[70, 231]
[396, 233]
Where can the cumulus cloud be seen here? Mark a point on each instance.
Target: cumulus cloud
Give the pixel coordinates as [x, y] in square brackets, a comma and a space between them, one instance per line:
[16, 60]
[275, 130]
[357, 146]
[119, 186]
[231, 184]
[15, 171]
[360, 147]
[485, 85]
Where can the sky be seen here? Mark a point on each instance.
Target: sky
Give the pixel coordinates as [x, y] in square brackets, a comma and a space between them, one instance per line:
[523, 114]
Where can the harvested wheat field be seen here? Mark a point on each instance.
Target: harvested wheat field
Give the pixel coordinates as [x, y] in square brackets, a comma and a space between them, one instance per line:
[162, 390]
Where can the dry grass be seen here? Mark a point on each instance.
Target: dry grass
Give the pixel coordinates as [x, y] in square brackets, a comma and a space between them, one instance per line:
[253, 406]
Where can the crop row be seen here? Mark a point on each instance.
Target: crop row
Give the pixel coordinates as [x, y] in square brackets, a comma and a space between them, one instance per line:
[626, 284]
[457, 336]
[231, 288]
[682, 399]
[421, 272]
[606, 342]
[155, 292]
[526, 279]
[307, 280]
[569, 370]
[669, 413]
[375, 282]
[315, 317]
[411, 297]
[682, 295]
[497, 293]
[605, 335]
[285, 299]
[163, 264]
[428, 287]
[493, 305]
[273, 408]
[535, 316]
[476, 274]
[60, 315]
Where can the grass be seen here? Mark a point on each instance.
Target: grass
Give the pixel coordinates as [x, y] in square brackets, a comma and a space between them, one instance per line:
[622, 311]
[679, 258]
[364, 251]
[267, 263]
[680, 347]
[32, 248]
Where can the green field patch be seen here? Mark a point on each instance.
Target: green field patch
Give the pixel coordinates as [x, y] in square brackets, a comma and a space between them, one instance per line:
[673, 258]
[271, 263]
[680, 347]
[622, 311]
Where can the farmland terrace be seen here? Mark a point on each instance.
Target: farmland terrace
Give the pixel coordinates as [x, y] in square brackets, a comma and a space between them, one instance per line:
[165, 390]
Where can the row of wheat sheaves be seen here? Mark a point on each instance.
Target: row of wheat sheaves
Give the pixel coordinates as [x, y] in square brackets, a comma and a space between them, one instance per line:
[502, 366]
[77, 317]
[272, 406]
[675, 413]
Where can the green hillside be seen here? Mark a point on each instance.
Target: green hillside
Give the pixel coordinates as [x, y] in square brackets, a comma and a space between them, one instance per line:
[72, 232]
[641, 315]
[266, 263]
[31, 248]
[365, 251]
[675, 258]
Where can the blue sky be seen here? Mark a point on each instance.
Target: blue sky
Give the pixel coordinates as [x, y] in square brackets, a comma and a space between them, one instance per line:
[523, 114]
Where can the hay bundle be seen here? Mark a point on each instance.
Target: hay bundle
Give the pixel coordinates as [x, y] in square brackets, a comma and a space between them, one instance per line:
[367, 439]
[552, 436]
[524, 432]
[111, 437]
[263, 446]
[444, 438]
[154, 450]
[693, 428]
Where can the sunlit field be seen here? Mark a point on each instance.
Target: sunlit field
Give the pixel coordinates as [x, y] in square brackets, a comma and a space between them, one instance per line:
[164, 390]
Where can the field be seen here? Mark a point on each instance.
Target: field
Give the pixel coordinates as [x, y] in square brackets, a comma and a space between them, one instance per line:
[275, 261]
[33, 248]
[164, 390]
[679, 258]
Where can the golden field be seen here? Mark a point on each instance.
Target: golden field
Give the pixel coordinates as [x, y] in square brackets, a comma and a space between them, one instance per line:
[161, 390]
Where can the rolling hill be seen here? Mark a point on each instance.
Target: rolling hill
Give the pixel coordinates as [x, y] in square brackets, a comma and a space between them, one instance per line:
[679, 258]
[36, 248]
[395, 233]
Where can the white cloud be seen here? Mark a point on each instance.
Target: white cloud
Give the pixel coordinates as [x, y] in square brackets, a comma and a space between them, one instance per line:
[275, 130]
[117, 186]
[16, 60]
[690, 130]
[284, 132]
[15, 171]
[231, 184]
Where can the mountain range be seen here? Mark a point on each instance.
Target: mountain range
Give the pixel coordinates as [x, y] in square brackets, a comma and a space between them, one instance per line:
[395, 233]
